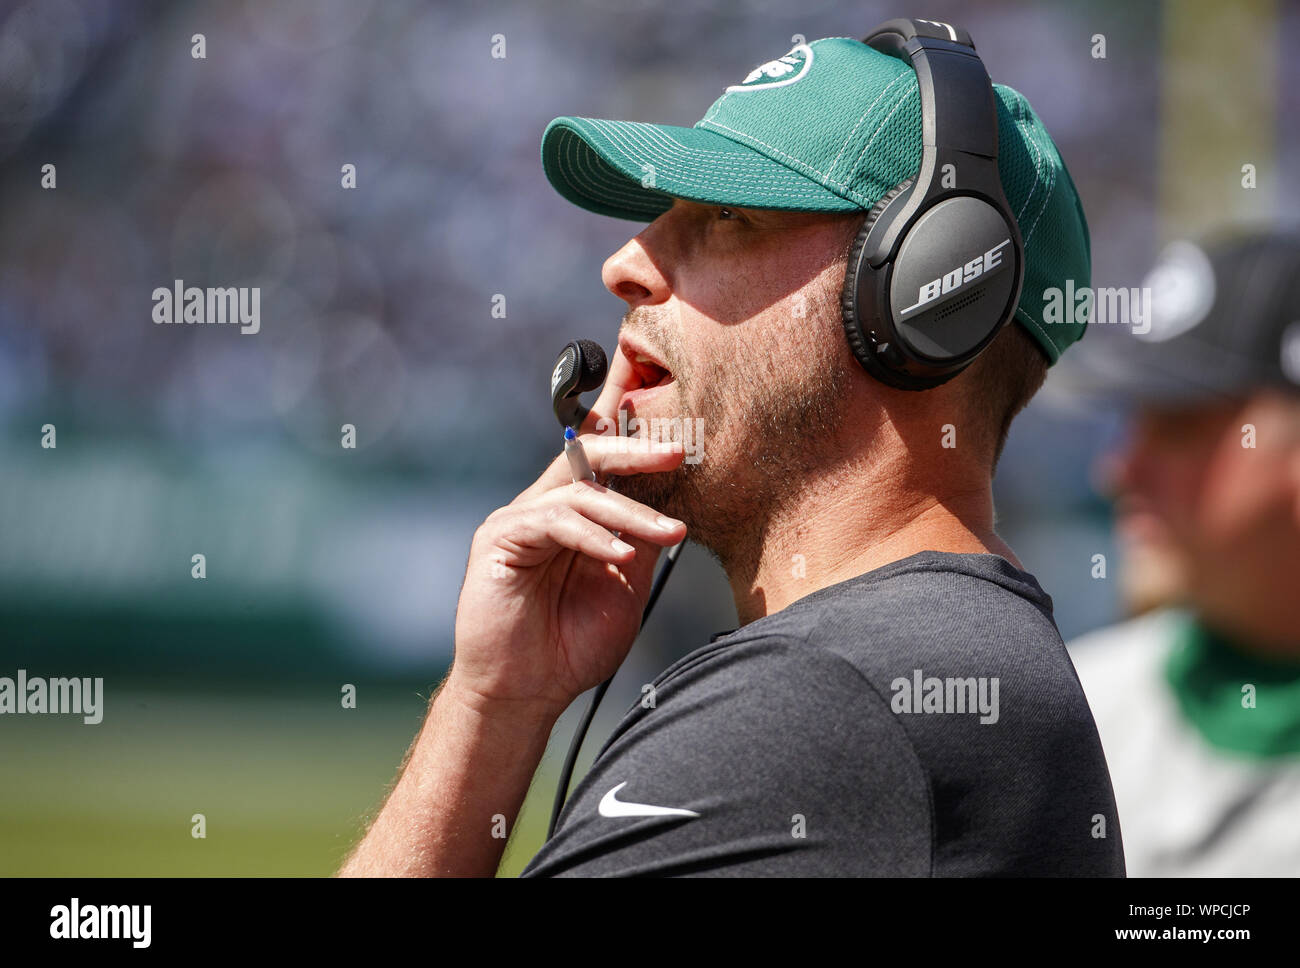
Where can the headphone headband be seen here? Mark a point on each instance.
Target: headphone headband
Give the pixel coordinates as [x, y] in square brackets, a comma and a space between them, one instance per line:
[904, 29]
[961, 126]
[965, 116]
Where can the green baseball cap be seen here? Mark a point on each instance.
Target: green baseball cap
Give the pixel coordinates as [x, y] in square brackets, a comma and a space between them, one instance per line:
[831, 126]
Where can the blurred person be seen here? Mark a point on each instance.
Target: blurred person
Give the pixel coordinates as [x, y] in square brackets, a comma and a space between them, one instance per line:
[853, 517]
[1198, 697]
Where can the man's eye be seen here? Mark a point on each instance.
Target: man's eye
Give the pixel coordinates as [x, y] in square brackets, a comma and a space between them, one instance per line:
[727, 214]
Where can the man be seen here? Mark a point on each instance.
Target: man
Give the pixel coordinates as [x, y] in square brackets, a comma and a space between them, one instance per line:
[1198, 701]
[897, 699]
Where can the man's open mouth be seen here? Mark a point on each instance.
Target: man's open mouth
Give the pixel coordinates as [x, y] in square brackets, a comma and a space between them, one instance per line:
[650, 377]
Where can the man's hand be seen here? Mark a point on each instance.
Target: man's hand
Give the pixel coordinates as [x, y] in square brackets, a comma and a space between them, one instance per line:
[549, 608]
[552, 598]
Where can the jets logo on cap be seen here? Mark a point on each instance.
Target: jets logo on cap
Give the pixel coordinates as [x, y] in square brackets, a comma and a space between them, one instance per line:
[1182, 292]
[780, 72]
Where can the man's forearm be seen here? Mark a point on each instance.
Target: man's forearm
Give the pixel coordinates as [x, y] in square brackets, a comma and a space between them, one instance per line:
[464, 781]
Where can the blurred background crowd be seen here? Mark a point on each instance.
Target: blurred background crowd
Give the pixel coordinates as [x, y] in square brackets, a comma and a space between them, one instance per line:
[425, 307]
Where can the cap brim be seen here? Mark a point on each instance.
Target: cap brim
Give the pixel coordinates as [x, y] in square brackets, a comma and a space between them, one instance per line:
[634, 170]
[1127, 372]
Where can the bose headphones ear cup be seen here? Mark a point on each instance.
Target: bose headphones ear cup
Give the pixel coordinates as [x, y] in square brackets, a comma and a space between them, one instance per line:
[936, 269]
[863, 346]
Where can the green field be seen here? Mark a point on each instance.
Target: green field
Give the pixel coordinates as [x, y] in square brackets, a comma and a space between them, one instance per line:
[285, 784]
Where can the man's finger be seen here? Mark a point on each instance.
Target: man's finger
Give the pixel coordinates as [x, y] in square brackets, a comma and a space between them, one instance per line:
[532, 537]
[610, 456]
[617, 512]
[641, 569]
[622, 377]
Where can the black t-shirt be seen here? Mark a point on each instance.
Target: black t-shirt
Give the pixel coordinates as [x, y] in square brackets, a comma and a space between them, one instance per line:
[922, 719]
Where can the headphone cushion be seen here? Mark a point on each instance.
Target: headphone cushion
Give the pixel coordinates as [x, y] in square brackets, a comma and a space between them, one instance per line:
[853, 329]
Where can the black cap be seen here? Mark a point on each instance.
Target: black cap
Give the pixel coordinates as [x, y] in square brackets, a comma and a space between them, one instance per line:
[1223, 320]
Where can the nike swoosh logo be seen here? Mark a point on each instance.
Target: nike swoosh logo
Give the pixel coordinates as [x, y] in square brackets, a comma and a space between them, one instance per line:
[612, 806]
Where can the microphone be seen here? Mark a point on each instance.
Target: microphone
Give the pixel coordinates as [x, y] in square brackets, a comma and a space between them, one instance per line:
[581, 366]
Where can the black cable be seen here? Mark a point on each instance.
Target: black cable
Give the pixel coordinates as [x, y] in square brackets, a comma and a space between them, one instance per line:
[566, 771]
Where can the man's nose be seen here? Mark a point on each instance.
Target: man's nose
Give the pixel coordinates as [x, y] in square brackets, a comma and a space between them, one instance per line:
[631, 275]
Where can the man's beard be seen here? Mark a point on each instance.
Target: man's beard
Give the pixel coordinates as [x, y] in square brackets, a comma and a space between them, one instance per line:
[766, 430]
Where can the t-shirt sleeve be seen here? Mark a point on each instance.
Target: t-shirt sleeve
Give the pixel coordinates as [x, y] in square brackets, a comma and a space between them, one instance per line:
[766, 757]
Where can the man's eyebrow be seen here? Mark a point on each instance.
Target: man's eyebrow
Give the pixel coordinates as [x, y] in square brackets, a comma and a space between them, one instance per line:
[781, 216]
[768, 217]
[774, 215]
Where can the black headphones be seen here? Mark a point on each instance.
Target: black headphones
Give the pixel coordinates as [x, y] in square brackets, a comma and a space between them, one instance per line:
[936, 269]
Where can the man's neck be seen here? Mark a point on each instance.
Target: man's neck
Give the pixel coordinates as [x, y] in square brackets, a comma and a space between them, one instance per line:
[847, 524]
